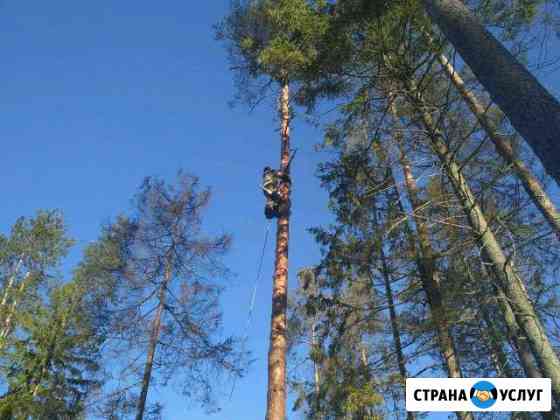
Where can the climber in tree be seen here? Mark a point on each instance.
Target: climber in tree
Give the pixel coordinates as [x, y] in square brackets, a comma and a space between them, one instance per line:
[270, 189]
[275, 205]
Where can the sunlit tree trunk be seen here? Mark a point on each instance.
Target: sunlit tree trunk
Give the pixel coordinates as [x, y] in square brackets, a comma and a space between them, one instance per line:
[531, 109]
[276, 398]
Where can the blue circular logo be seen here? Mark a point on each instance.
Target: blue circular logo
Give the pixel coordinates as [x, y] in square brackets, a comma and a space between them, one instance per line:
[484, 394]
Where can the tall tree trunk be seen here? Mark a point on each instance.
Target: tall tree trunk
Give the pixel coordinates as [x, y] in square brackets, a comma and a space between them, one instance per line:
[502, 267]
[530, 182]
[427, 269]
[430, 277]
[276, 398]
[152, 346]
[531, 109]
[394, 325]
[431, 283]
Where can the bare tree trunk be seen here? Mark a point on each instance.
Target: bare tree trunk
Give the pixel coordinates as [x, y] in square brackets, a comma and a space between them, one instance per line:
[276, 398]
[530, 182]
[531, 109]
[502, 266]
[152, 346]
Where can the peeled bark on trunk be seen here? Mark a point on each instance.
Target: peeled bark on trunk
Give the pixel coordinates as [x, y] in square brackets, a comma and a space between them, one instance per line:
[530, 182]
[530, 108]
[152, 346]
[502, 267]
[276, 397]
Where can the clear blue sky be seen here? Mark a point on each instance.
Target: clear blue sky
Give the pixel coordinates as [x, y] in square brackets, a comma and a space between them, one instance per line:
[97, 95]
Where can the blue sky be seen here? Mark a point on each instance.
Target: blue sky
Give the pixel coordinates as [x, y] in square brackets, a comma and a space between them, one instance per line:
[97, 95]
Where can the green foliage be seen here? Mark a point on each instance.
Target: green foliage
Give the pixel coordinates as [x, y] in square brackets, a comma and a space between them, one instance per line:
[273, 38]
[53, 364]
[358, 399]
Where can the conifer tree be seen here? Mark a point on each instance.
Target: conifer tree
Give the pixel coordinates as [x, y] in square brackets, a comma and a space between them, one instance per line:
[166, 291]
[271, 42]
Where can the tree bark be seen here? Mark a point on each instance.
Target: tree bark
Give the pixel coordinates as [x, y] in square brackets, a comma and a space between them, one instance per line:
[530, 182]
[276, 398]
[530, 108]
[152, 346]
[502, 267]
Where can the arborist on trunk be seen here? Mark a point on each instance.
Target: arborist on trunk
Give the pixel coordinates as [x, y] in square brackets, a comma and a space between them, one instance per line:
[275, 206]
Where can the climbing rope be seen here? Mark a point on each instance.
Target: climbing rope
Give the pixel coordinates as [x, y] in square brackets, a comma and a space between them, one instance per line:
[253, 299]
